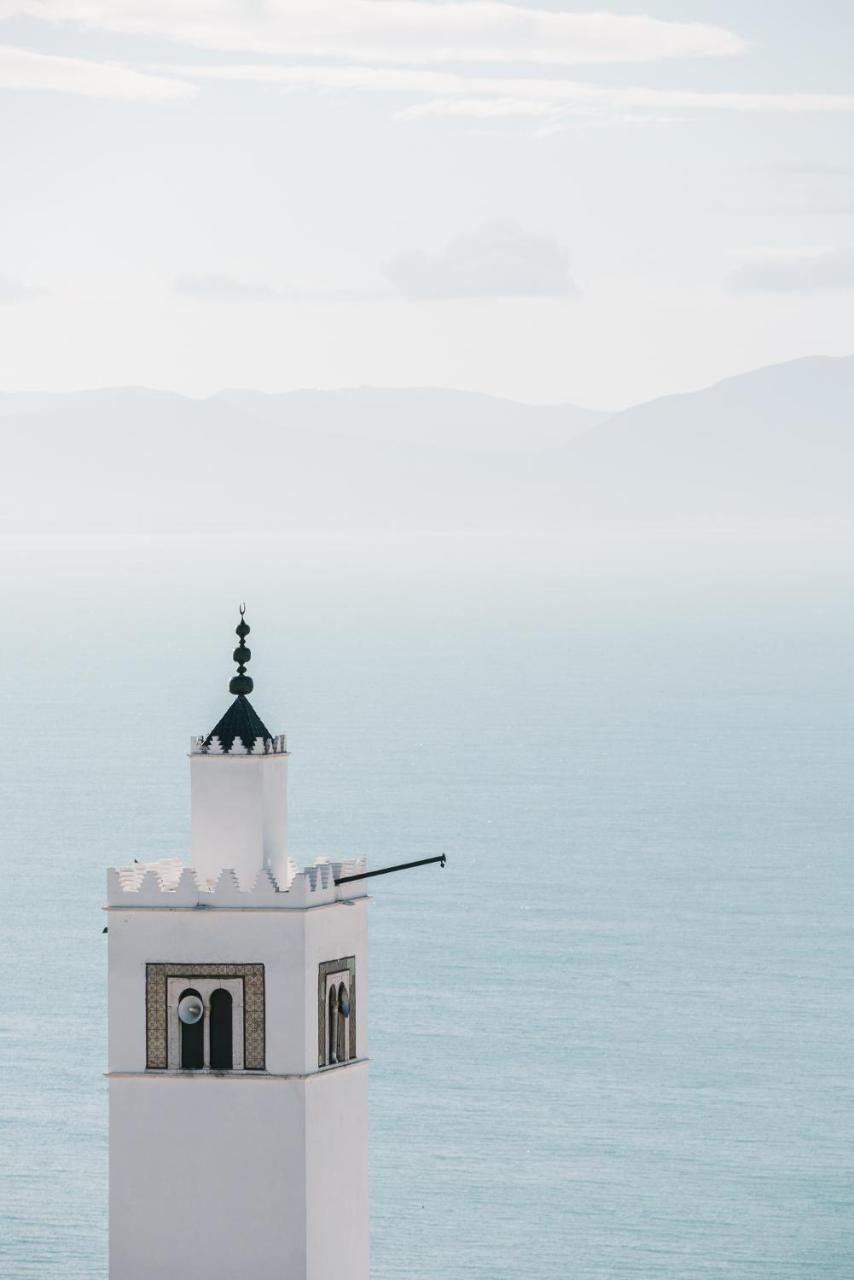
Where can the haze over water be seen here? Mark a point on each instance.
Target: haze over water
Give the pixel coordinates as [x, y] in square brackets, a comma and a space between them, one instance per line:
[613, 1038]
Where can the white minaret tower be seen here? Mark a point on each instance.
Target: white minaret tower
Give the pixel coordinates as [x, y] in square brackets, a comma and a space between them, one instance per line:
[238, 1064]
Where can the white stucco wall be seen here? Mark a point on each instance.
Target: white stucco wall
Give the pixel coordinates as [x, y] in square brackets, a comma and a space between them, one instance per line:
[290, 945]
[217, 1178]
[207, 1179]
[260, 1175]
[239, 815]
[337, 1232]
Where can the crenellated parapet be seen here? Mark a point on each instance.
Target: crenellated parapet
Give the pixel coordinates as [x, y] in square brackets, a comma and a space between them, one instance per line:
[277, 745]
[171, 883]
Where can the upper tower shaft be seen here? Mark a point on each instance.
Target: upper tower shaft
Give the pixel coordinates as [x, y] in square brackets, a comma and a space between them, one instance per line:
[238, 776]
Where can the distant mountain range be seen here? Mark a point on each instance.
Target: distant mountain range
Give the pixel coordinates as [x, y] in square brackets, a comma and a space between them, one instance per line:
[774, 444]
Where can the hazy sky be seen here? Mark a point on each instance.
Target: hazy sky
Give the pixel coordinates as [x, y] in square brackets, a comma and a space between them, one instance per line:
[549, 201]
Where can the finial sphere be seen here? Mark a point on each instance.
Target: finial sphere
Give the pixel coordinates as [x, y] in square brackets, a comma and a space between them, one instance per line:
[241, 683]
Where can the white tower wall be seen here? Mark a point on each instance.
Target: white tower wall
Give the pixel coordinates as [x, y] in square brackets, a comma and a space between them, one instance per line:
[258, 1173]
[239, 815]
[225, 1199]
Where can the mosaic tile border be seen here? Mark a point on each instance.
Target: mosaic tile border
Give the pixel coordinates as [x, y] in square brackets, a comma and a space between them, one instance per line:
[323, 971]
[156, 1009]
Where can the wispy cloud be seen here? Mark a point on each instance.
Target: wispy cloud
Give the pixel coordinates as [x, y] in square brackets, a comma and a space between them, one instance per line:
[24, 69]
[811, 169]
[12, 290]
[398, 31]
[498, 260]
[223, 288]
[479, 109]
[807, 188]
[399, 47]
[796, 271]
[446, 93]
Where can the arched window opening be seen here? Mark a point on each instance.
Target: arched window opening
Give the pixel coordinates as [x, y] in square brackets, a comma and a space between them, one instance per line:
[192, 1039]
[336, 1012]
[333, 1025]
[222, 1053]
[343, 1014]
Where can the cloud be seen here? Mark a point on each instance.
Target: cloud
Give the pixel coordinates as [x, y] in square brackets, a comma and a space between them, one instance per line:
[812, 169]
[12, 290]
[401, 31]
[23, 69]
[798, 271]
[499, 260]
[221, 288]
[451, 94]
[399, 47]
[479, 109]
[496, 261]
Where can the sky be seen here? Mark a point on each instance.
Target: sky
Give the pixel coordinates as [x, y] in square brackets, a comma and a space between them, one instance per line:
[589, 203]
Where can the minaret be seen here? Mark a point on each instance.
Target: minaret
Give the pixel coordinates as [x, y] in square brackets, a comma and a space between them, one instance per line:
[238, 1037]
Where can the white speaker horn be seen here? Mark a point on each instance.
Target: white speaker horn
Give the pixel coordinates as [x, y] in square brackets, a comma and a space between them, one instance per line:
[190, 1009]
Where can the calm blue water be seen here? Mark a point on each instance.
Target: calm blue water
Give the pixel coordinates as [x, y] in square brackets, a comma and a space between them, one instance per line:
[615, 1037]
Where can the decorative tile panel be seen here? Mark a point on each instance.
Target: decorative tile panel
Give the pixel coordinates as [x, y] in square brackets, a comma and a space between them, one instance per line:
[156, 1011]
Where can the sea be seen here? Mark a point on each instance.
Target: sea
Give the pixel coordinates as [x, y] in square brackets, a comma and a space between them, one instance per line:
[614, 1038]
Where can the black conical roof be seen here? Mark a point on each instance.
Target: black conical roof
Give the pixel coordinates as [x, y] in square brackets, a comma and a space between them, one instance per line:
[242, 721]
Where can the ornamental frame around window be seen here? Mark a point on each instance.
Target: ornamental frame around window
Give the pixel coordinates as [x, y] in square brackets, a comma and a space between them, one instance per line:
[329, 968]
[157, 977]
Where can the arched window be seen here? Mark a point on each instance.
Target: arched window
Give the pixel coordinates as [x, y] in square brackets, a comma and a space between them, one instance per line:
[192, 1039]
[333, 1025]
[222, 1056]
[343, 1013]
[336, 1012]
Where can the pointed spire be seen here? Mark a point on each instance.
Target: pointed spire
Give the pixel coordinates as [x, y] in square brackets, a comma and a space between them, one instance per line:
[241, 721]
[241, 683]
